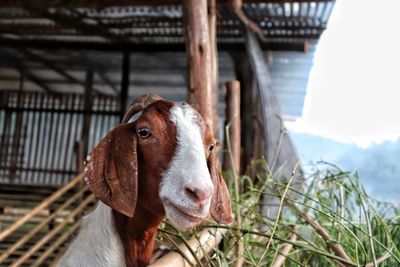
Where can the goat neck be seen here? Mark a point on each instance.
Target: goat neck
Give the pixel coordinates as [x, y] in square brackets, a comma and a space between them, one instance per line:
[137, 235]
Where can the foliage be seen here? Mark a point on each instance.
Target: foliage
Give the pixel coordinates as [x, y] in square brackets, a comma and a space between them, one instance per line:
[328, 222]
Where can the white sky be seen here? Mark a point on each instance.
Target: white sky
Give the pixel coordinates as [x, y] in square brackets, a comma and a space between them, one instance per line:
[353, 93]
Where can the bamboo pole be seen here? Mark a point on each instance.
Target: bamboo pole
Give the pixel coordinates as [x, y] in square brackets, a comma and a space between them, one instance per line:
[32, 232]
[53, 197]
[53, 232]
[56, 244]
[208, 239]
[199, 92]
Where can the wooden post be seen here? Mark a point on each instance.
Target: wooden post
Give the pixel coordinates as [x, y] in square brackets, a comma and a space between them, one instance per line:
[199, 93]
[212, 29]
[248, 108]
[80, 156]
[124, 82]
[16, 139]
[232, 153]
[87, 110]
[232, 120]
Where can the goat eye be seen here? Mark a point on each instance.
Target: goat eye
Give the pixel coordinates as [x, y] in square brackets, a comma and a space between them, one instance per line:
[144, 133]
[211, 148]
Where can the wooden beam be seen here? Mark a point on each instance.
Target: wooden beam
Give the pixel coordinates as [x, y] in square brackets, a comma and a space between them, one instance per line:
[36, 80]
[107, 80]
[76, 21]
[101, 4]
[47, 63]
[296, 45]
[199, 87]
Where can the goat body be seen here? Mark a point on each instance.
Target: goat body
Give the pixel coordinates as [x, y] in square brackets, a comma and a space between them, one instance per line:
[161, 165]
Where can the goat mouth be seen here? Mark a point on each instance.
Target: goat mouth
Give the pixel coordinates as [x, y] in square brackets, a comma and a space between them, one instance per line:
[183, 213]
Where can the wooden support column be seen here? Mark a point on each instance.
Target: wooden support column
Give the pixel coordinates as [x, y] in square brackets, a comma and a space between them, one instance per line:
[126, 60]
[232, 122]
[199, 93]
[232, 153]
[244, 75]
[212, 29]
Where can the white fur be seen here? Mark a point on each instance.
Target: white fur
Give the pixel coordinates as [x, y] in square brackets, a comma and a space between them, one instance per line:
[97, 243]
[188, 166]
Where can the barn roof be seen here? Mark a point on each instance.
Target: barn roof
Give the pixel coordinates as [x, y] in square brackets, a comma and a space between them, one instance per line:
[54, 43]
[153, 25]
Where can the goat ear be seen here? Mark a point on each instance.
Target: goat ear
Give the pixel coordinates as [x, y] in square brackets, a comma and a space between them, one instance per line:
[111, 169]
[220, 208]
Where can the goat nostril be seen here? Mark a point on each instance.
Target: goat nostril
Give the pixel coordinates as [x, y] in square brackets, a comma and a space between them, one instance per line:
[196, 194]
[190, 193]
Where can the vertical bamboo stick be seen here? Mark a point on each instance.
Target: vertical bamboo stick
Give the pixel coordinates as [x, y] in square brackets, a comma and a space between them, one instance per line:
[232, 154]
[199, 92]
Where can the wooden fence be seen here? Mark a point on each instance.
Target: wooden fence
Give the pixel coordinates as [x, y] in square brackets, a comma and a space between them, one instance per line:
[39, 133]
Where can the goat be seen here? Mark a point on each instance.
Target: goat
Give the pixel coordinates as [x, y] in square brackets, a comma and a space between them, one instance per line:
[162, 164]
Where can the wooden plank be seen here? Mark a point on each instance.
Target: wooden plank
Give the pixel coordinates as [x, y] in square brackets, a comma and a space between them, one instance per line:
[36, 229]
[274, 131]
[279, 151]
[53, 232]
[56, 245]
[199, 87]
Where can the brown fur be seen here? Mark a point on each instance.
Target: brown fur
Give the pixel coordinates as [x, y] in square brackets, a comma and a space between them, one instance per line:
[125, 173]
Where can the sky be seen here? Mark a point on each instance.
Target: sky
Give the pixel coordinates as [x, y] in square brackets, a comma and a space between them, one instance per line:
[353, 94]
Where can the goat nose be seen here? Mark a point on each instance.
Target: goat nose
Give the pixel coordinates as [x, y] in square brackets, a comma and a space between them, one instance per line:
[198, 193]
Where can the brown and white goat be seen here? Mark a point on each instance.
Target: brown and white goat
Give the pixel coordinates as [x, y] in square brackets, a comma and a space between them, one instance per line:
[160, 165]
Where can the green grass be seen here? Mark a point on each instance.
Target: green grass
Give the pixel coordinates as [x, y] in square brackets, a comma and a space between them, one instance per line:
[329, 221]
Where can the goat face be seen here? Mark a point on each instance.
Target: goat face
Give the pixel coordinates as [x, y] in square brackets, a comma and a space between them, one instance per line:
[164, 163]
[186, 187]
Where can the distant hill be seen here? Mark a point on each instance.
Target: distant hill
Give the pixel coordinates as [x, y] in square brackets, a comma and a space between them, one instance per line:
[378, 165]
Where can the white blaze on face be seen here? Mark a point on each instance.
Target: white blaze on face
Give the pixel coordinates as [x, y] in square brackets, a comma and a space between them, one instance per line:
[188, 166]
